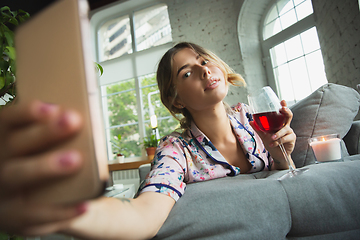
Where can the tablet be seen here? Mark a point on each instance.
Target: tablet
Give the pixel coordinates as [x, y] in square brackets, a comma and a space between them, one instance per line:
[54, 65]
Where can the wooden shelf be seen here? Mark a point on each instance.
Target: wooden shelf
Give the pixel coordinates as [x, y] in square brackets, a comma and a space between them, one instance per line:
[126, 166]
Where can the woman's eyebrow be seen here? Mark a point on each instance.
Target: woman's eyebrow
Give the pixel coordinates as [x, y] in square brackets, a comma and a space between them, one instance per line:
[180, 69]
[185, 66]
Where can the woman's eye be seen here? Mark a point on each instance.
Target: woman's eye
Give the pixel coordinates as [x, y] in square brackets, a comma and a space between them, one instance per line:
[204, 62]
[187, 74]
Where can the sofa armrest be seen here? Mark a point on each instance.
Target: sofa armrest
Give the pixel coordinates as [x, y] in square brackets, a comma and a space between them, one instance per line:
[143, 171]
[352, 138]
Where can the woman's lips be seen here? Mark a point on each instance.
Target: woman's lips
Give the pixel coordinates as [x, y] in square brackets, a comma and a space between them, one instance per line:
[212, 84]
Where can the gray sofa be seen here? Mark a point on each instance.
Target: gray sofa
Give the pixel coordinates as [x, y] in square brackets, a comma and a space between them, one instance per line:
[322, 203]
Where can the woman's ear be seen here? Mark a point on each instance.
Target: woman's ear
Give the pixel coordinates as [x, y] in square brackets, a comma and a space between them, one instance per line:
[178, 103]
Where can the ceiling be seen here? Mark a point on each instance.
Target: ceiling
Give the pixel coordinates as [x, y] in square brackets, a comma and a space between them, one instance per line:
[34, 6]
[94, 4]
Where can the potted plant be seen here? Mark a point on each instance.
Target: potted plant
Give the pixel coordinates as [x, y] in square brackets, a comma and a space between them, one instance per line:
[8, 21]
[150, 143]
[119, 155]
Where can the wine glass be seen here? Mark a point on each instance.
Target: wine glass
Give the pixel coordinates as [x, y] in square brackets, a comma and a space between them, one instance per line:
[265, 106]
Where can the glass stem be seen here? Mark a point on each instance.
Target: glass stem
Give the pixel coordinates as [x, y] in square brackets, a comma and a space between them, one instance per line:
[291, 168]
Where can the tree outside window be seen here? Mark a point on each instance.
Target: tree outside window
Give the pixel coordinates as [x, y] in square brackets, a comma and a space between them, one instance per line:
[121, 104]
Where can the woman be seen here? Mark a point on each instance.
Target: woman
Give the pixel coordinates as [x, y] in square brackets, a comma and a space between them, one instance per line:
[216, 142]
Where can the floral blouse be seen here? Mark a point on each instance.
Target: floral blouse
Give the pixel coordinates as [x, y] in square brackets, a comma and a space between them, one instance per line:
[181, 159]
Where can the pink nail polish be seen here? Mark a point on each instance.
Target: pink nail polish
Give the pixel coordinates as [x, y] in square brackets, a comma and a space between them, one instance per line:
[68, 159]
[68, 118]
[62, 121]
[82, 208]
[46, 108]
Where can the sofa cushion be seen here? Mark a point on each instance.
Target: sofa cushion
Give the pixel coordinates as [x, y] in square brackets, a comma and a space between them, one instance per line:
[329, 109]
[239, 207]
[325, 199]
[352, 138]
[321, 203]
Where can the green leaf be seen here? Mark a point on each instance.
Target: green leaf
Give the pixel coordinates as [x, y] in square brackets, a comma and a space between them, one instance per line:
[99, 68]
[2, 82]
[21, 19]
[4, 28]
[6, 17]
[4, 236]
[11, 52]
[14, 21]
[9, 78]
[13, 66]
[17, 238]
[5, 8]
[4, 66]
[23, 15]
[9, 38]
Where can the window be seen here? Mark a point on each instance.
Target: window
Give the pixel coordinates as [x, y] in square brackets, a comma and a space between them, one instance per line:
[285, 13]
[115, 38]
[121, 101]
[292, 50]
[152, 27]
[129, 47]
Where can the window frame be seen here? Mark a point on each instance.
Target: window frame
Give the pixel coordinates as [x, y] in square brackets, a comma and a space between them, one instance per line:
[280, 37]
[134, 60]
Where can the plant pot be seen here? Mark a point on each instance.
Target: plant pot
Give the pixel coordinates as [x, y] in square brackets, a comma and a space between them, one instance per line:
[120, 158]
[150, 151]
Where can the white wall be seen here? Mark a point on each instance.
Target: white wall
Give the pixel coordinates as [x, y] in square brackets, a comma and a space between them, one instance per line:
[219, 24]
[338, 25]
[211, 24]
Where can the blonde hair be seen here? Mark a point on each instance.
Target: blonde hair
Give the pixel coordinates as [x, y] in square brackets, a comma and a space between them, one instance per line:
[166, 81]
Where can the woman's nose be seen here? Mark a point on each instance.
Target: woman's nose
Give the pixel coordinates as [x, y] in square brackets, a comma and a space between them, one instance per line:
[205, 72]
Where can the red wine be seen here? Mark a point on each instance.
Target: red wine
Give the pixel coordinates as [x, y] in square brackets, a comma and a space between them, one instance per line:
[269, 122]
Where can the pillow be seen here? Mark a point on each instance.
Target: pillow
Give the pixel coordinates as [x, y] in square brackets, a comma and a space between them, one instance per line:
[330, 109]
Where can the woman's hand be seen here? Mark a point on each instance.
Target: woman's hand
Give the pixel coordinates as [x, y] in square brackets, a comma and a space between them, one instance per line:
[28, 134]
[286, 135]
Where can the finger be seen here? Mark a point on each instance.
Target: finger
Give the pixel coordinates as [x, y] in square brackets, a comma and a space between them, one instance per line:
[37, 137]
[33, 219]
[288, 138]
[285, 135]
[283, 103]
[38, 215]
[23, 114]
[45, 229]
[286, 130]
[24, 173]
[287, 113]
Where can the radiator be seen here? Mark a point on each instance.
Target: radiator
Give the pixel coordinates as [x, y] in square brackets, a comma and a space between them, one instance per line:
[127, 177]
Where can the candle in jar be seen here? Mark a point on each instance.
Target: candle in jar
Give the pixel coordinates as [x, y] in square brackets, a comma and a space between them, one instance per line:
[326, 149]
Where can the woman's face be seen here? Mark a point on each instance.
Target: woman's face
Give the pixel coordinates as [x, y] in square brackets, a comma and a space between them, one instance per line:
[200, 83]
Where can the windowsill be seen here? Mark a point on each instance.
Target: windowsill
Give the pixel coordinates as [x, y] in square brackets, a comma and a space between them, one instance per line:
[127, 165]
